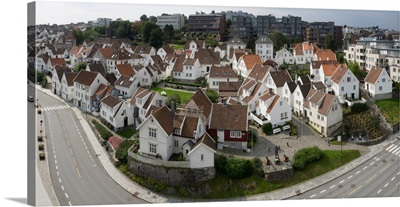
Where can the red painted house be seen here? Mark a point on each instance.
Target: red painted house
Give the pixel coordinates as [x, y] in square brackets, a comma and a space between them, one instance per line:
[230, 124]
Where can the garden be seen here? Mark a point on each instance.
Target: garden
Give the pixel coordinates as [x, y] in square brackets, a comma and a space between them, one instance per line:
[390, 109]
[185, 96]
[238, 177]
[363, 121]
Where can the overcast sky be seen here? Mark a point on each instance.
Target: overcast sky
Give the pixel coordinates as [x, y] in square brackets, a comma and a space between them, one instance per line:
[64, 12]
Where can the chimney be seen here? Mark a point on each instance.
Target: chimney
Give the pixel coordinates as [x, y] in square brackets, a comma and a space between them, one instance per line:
[224, 104]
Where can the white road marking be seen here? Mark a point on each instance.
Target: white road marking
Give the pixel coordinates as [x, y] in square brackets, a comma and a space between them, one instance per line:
[365, 167]
[62, 187]
[357, 172]
[66, 195]
[398, 153]
[393, 178]
[59, 179]
[56, 167]
[398, 173]
[392, 149]
[371, 163]
[386, 185]
[341, 181]
[391, 146]
[395, 151]
[350, 177]
[379, 191]
[55, 161]
[58, 174]
[312, 196]
[323, 191]
[54, 152]
[69, 202]
[332, 186]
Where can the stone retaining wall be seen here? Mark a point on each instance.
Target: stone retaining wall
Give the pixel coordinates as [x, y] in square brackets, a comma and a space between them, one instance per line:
[172, 176]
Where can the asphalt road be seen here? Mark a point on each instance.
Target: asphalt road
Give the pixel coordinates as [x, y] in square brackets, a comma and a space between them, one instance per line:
[378, 177]
[77, 175]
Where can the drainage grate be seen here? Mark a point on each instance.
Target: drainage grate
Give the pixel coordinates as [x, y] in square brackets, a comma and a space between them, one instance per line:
[384, 161]
[340, 186]
[353, 185]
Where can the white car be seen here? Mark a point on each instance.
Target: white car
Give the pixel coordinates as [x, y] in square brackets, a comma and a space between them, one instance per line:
[163, 93]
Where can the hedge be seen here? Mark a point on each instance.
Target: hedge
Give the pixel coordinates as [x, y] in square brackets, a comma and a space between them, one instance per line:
[184, 83]
[104, 133]
[237, 168]
[305, 156]
[267, 128]
[359, 107]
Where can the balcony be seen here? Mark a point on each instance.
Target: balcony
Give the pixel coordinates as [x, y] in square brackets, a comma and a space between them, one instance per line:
[260, 119]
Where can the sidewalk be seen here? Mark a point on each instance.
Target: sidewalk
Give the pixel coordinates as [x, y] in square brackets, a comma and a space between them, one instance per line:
[281, 194]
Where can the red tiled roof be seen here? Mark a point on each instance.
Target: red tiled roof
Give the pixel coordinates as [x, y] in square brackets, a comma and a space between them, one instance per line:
[251, 60]
[229, 117]
[339, 73]
[125, 69]
[164, 118]
[272, 105]
[325, 54]
[222, 72]
[373, 75]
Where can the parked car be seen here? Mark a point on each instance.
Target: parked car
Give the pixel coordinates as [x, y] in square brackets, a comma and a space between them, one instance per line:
[31, 99]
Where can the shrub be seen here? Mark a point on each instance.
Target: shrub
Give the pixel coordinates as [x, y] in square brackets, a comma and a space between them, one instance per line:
[258, 167]
[359, 107]
[104, 133]
[122, 152]
[267, 128]
[220, 164]
[252, 136]
[237, 168]
[305, 156]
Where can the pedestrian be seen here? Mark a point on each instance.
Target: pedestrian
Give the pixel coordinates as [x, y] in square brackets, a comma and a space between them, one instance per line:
[287, 143]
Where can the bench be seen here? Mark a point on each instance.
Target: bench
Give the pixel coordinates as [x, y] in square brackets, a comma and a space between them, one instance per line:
[276, 131]
[285, 158]
[286, 127]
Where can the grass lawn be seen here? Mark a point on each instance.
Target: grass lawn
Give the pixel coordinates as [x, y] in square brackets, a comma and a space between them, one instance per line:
[222, 187]
[176, 47]
[127, 133]
[390, 109]
[185, 96]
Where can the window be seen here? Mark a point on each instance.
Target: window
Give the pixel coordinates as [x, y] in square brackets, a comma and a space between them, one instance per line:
[280, 103]
[354, 87]
[178, 131]
[380, 88]
[111, 118]
[152, 148]
[152, 132]
[176, 143]
[238, 134]
[383, 80]
[232, 133]
[342, 89]
[348, 79]
[322, 118]
[201, 157]
[318, 116]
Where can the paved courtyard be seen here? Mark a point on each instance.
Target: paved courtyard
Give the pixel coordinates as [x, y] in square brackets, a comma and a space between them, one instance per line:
[288, 145]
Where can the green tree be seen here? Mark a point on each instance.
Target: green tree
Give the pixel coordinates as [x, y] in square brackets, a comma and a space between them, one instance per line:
[136, 28]
[168, 32]
[79, 36]
[101, 30]
[267, 128]
[212, 95]
[122, 152]
[144, 18]
[330, 42]
[156, 38]
[80, 66]
[153, 19]
[237, 168]
[173, 98]
[278, 39]
[251, 44]
[146, 30]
